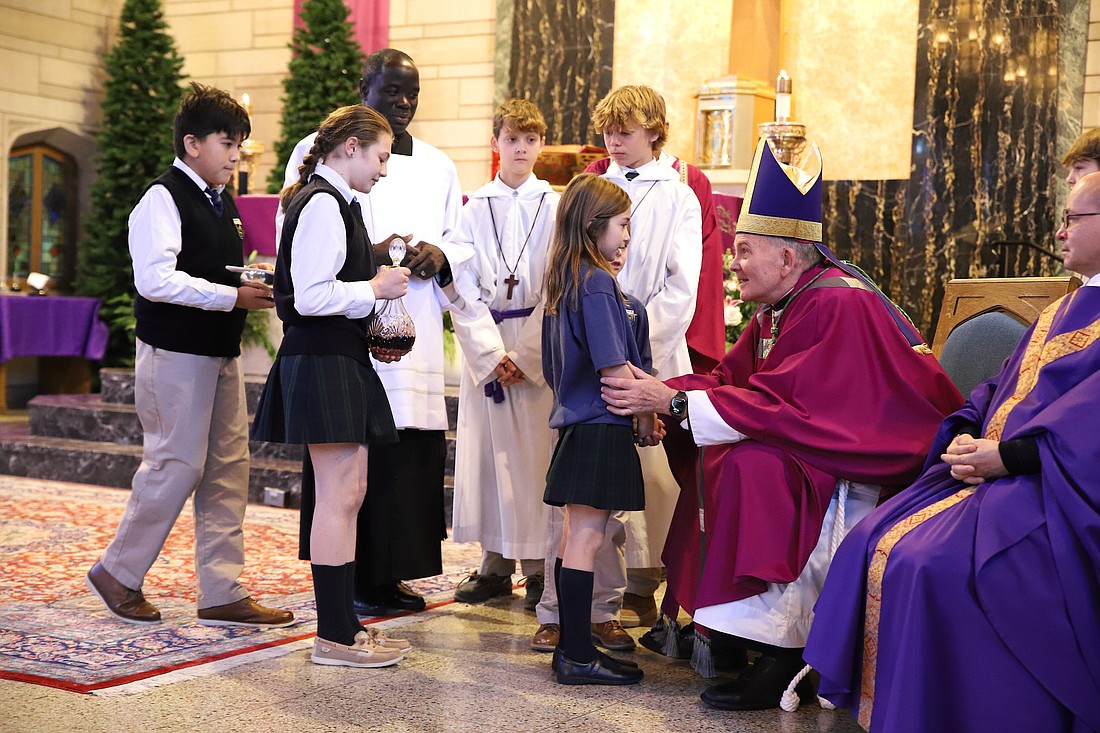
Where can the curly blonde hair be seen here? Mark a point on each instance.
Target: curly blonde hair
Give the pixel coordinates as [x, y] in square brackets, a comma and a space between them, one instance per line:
[633, 106]
[519, 115]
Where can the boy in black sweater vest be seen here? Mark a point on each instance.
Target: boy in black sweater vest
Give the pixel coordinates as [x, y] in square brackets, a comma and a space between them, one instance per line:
[189, 390]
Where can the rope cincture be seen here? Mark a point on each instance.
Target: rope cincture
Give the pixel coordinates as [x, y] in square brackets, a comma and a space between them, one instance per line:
[789, 701]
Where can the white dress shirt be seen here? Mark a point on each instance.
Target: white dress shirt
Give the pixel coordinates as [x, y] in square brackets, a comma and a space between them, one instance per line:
[155, 241]
[319, 250]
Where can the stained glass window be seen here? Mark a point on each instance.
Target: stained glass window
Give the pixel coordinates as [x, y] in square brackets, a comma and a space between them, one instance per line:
[41, 215]
[20, 209]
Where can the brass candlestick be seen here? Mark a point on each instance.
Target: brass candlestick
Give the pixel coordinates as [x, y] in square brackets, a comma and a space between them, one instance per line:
[787, 138]
[250, 154]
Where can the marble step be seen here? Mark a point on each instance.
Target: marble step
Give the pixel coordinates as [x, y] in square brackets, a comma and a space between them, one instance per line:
[102, 463]
[117, 386]
[89, 417]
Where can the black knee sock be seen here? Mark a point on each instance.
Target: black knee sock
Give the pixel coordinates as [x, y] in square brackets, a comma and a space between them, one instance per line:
[557, 593]
[349, 596]
[575, 612]
[332, 619]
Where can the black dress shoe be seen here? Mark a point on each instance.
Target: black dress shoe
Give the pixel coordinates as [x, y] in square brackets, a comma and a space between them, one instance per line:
[655, 640]
[761, 687]
[608, 660]
[370, 607]
[596, 672]
[401, 597]
[386, 600]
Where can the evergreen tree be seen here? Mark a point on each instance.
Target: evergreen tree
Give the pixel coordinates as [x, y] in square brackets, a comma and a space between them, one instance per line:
[141, 94]
[323, 75]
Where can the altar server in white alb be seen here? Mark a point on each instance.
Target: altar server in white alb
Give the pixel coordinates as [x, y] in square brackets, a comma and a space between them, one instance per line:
[504, 439]
[662, 271]
[401, 522]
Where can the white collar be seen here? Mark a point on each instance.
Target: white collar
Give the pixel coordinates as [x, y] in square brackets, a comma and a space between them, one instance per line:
[533, 188]
[195, 177]
[336, 180]
[666, 159]
[1092, 282]
[654, 170]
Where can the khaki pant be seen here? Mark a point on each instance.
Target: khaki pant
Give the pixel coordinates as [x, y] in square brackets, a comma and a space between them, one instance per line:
[192, 411]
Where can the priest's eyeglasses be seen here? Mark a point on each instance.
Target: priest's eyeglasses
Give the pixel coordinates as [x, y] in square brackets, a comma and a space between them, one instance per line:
[1068, 217]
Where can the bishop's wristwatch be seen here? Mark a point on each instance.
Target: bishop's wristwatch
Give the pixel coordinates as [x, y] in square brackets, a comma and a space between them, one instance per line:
[678, 406]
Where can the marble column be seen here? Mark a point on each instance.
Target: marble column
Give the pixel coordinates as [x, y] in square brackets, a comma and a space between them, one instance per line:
[557, 54]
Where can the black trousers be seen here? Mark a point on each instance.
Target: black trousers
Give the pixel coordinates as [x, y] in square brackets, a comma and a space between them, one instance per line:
[402, 520]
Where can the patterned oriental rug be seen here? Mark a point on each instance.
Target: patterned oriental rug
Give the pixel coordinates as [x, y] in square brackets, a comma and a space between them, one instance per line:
[54, 632]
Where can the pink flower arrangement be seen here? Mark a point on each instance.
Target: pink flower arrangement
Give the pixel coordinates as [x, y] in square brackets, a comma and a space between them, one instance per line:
[737, 311]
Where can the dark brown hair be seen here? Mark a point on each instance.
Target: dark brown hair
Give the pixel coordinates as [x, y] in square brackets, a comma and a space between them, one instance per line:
[585, 210]
[204, 110]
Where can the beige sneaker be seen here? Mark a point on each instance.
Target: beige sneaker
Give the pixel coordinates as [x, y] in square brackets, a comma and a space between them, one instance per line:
[378, 638]
[361, 654]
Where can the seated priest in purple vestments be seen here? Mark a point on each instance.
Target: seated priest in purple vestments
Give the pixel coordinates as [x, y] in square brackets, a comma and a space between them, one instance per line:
[828, 398]
[971, 600]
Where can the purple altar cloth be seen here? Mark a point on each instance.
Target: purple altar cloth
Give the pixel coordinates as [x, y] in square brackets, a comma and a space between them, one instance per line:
[51, 326]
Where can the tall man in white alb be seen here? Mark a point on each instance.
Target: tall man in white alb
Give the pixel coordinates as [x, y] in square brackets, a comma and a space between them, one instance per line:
[401, 522]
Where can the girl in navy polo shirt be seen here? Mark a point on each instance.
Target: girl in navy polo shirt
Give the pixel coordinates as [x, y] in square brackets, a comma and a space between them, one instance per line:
[588, 332]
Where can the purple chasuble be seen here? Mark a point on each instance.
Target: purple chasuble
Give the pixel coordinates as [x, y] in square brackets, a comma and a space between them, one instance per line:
[978, 608]
[841, 394]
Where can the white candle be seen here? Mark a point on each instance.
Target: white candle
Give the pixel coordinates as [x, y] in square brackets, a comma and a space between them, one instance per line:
[782, 97]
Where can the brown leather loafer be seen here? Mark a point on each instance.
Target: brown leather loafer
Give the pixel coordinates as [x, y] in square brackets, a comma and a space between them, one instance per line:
[546, 638]
[638, 611]
[612, 635]
[245, 612]
[123, 603]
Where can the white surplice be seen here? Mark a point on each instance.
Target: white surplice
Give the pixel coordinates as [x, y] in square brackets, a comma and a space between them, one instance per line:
[661, 270]
[503, 449]
[420, 195]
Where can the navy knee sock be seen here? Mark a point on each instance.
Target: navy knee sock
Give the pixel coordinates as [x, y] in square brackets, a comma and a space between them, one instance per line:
[557, 594]
[575, 614]
[332, 618]
[349, 596]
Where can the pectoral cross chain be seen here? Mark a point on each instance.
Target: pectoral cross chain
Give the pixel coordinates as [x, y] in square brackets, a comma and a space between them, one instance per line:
[511, 281]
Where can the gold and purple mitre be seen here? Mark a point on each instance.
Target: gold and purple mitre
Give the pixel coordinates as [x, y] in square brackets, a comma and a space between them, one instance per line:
[782, 200]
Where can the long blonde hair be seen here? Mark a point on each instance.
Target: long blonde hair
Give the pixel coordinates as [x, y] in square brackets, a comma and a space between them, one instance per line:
[362, 123]
[585, 210]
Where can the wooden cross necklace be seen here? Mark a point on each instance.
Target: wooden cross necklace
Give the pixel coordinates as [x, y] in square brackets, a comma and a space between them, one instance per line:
[512, 281]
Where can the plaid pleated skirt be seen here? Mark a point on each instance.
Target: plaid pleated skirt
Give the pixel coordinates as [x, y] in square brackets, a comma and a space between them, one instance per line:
[323, 398]
[596, 464]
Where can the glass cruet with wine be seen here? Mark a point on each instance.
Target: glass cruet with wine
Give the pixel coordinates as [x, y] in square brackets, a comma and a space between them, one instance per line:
[391, 332]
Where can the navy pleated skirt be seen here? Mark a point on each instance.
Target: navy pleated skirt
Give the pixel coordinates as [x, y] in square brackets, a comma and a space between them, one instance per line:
[323, 398]
[596, 464]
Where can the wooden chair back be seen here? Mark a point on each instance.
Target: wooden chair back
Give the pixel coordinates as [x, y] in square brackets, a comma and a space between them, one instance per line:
[1023, 298]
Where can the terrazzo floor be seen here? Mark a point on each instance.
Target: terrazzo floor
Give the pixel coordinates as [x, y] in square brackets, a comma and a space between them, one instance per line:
[471, 671]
